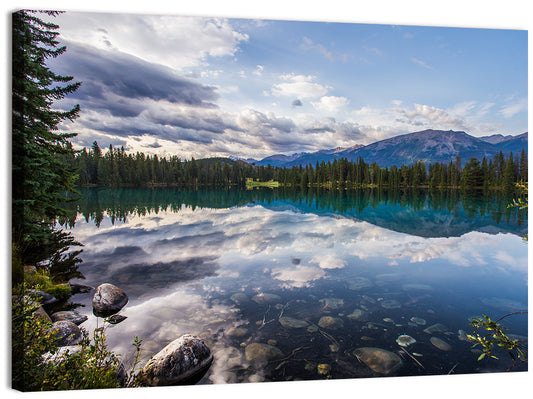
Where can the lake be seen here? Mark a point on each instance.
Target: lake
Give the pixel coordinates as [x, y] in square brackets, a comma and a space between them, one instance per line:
[313, 275]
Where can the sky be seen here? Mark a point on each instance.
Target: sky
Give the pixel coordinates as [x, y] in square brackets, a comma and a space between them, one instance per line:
[250, 88]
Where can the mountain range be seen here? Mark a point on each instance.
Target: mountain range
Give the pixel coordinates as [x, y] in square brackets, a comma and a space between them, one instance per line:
[428, 145]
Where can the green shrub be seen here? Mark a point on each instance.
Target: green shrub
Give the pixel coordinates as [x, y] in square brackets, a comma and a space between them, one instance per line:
[92, 366]
[41, 278]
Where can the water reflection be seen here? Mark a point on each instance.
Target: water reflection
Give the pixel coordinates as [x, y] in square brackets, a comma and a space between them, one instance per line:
[337, 281]
[427, 213]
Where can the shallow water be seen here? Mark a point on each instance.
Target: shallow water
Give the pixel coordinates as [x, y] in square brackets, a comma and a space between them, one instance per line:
[379, 263]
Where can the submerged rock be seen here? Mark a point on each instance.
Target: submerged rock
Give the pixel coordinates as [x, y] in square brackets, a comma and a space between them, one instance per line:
[439, 343]
[236, 332]
[417, 287]
[436, 328]
[228, 357]
[505, 304]
[405, 340]
[390, 304]
[330, 322]
[183, 361]
[70, 315]
[265, 298]
[312, 328]
[108, 300]
[359, 283]
[239, 298]
[262, 352]
[289, 322]
[357, 314]
[419, 321]
[332, 303]
[378, 360]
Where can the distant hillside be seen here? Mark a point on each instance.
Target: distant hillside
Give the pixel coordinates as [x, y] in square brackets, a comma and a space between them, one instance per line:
[429, 146]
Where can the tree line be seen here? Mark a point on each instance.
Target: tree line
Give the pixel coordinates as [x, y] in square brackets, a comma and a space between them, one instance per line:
[116, 168]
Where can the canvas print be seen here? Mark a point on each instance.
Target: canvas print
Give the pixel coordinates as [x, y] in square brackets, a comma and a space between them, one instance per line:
[201, 200]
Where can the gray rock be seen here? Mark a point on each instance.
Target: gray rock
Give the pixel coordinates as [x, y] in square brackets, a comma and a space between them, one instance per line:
[266, 298]
[378, 360]
[357, 314]
[330, 322]
[70, 315]
[115, 319]
[44, 298]
[80, 288]
[108, 300]
[239, 298]
[436, 328]
[439, 343]
[259, 352]
[67, 333]
[331, 303]
[359, 283]
[183, 361]
[290, 322]
[390, 304]
[236, 332]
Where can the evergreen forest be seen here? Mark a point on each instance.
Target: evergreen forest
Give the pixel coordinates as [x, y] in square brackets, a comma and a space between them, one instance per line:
[116, 168]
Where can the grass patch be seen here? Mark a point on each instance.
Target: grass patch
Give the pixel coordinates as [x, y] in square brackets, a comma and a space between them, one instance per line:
[251, 183]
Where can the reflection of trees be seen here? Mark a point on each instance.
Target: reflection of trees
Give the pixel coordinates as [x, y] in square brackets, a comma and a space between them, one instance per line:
[385, 207]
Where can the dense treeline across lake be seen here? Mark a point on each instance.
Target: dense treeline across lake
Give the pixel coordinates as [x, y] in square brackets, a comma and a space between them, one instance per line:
[116, 168]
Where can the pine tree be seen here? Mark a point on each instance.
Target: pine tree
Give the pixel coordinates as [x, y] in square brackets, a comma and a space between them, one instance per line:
[523, 165]
[39, 174]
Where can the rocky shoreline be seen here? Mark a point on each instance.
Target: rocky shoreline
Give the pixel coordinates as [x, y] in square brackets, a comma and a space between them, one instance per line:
[182, 362]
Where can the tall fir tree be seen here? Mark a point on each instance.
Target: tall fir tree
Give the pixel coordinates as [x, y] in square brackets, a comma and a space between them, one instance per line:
[40, 176]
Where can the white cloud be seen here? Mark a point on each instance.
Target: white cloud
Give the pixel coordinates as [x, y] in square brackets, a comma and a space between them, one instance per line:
[330, 103]
[421, 63]
[299, 86]
[181, 41]
[328, 261]
[308, 44]
[299, 276]
[510, 110]
[258, 70]
[432, 117]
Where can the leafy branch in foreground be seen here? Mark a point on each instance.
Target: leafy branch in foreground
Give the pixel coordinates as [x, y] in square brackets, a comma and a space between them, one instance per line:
[520, 203]
[497, 338]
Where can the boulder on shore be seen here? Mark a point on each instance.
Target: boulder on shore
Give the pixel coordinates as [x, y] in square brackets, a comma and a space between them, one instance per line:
[67, 333]
[108, 300]
[183, 361]
[70, 315]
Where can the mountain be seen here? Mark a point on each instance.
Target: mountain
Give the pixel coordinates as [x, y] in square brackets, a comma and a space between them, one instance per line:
[278, 160]
[429, 146]
[514, 143]
[495, 138]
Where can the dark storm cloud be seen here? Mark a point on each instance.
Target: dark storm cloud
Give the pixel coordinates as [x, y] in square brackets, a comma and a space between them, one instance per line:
[296, 103]
[190, 120]
[114, 80]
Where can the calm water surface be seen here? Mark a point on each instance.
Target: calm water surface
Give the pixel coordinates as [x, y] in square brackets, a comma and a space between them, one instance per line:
[380, 264]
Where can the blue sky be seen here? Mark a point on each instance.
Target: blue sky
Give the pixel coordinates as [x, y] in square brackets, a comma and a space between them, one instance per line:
[199, 86]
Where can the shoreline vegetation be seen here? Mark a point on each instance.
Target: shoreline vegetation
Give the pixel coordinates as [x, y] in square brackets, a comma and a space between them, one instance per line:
[116, 168]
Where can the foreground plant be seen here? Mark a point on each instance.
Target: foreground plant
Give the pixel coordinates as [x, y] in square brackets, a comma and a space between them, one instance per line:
[497, 338]
[39, 364]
